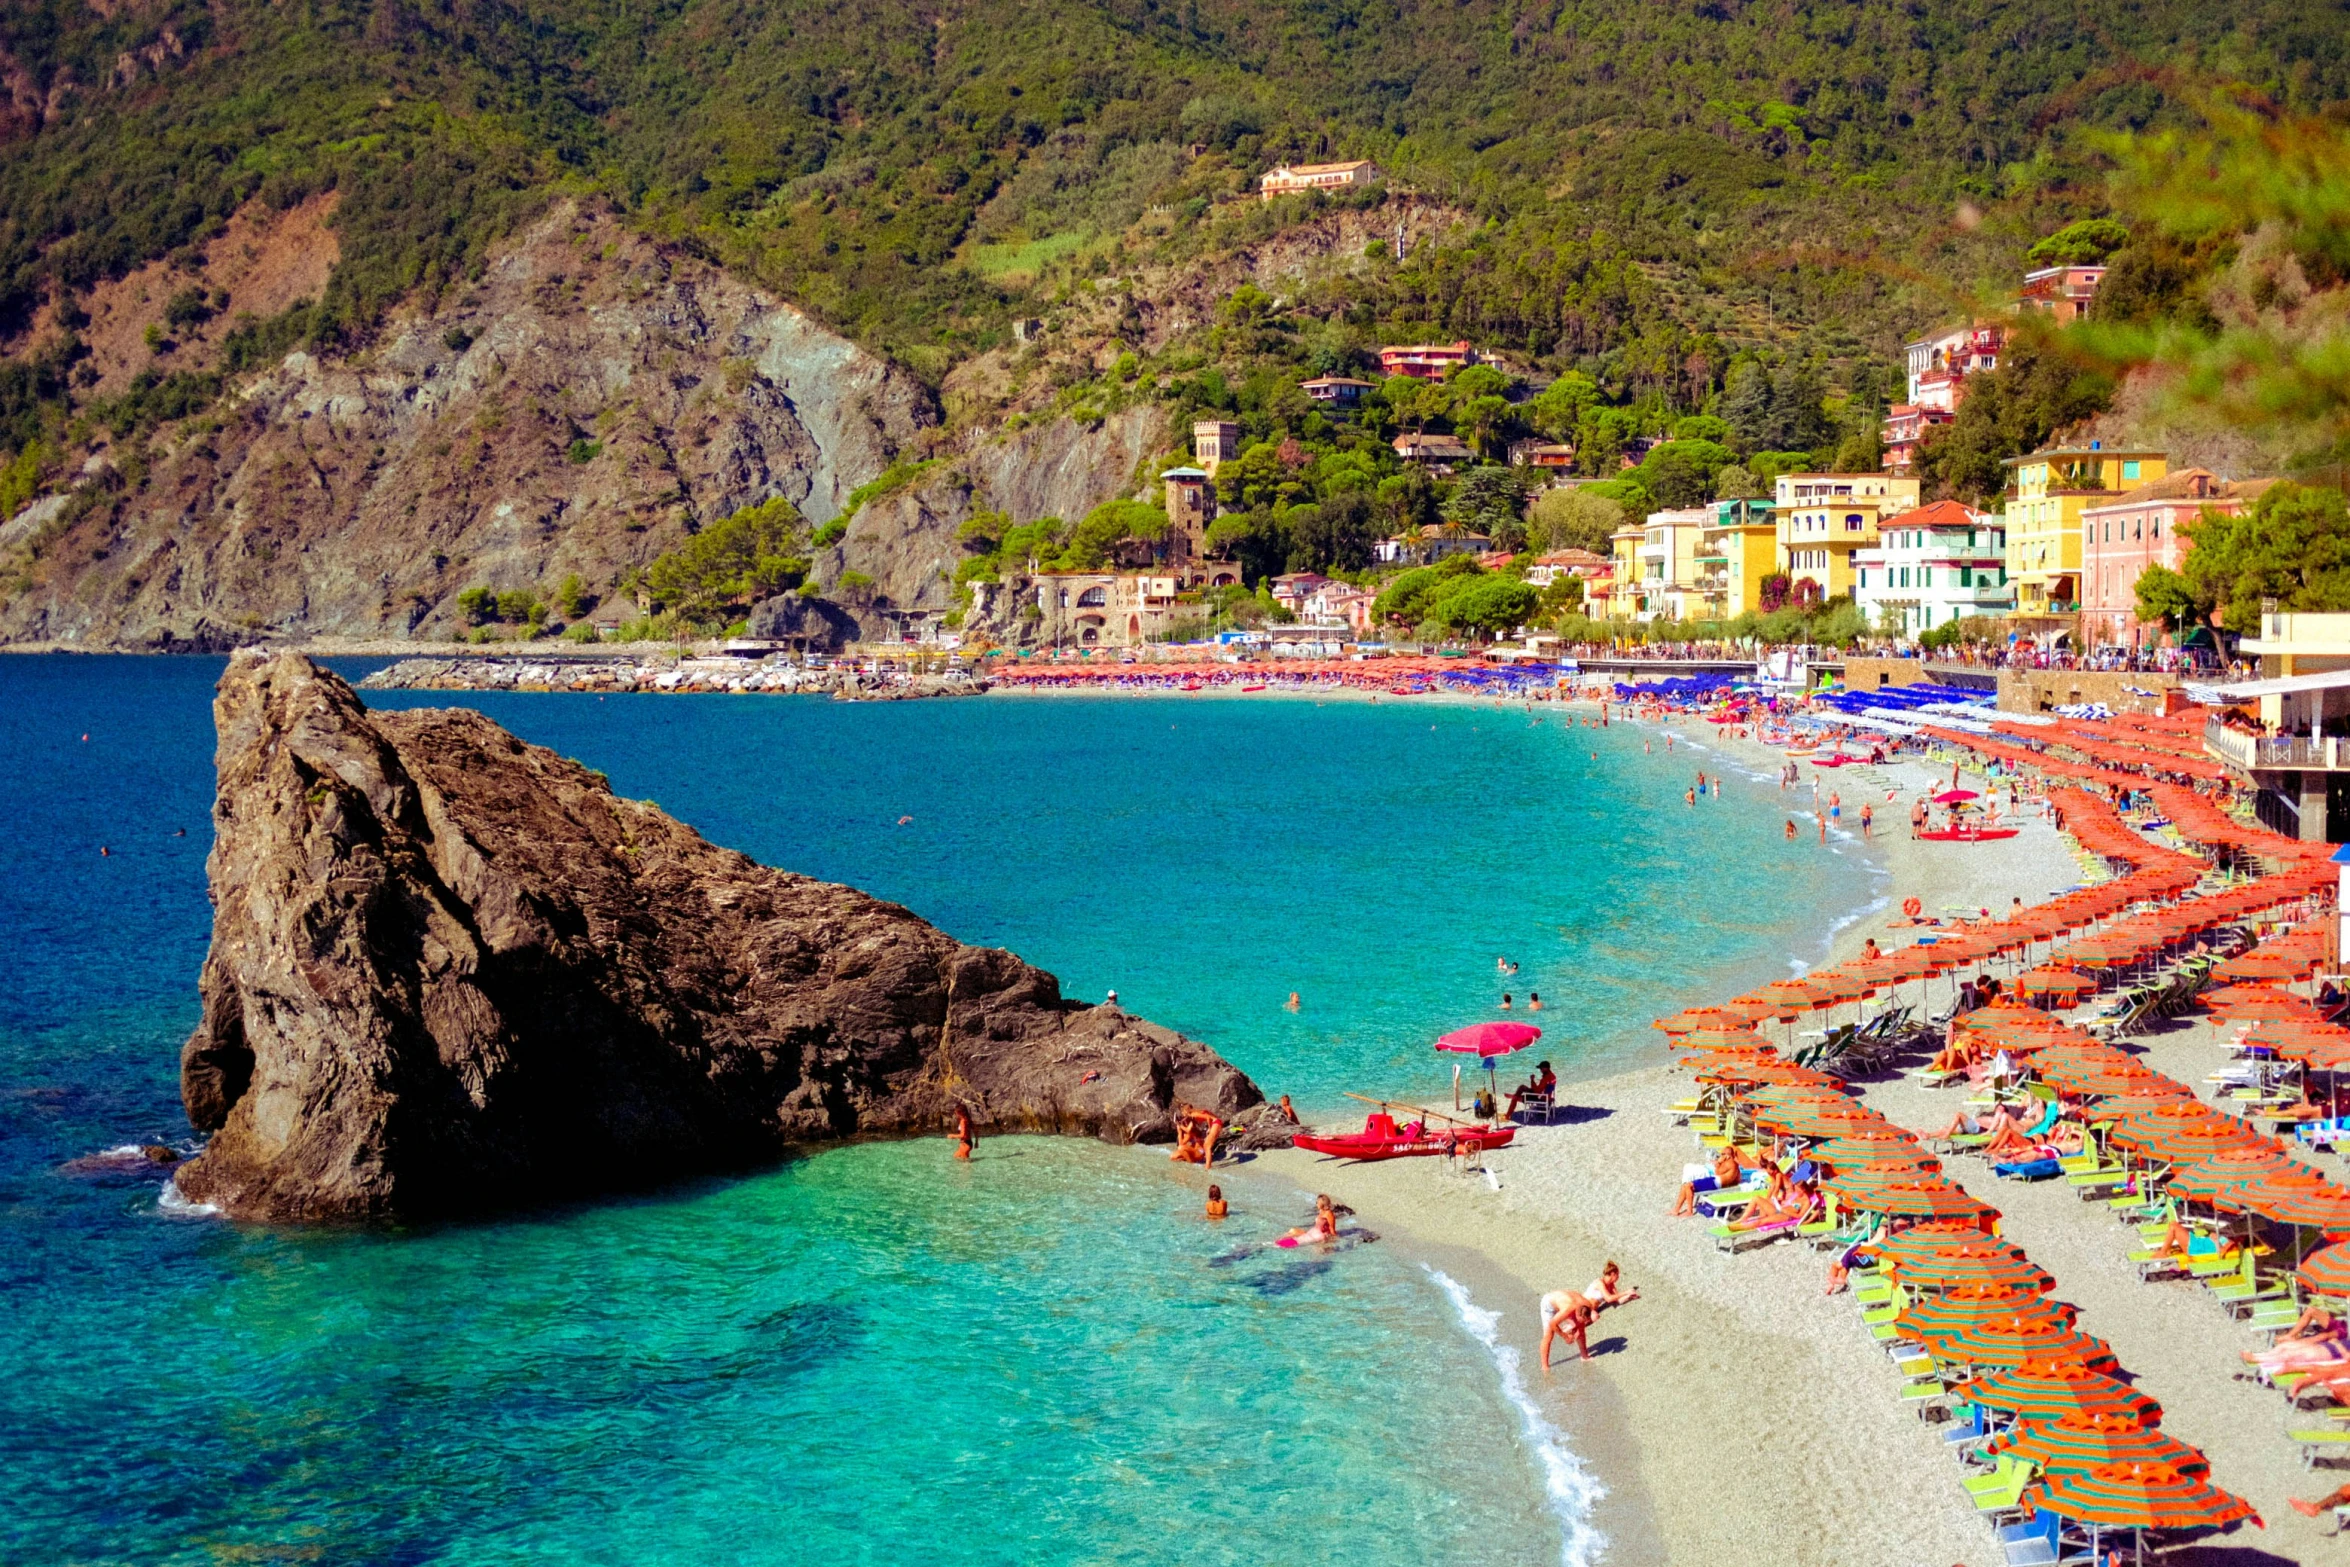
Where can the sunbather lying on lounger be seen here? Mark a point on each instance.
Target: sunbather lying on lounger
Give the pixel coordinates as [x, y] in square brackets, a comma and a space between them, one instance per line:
[2010, 1146]
[1999, 1123]
[1729, 1170]
[2181, 1241]
[2317, 1338]
[1789, 1202]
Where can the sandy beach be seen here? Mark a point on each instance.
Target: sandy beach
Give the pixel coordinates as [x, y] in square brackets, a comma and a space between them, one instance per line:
[1737, 1414]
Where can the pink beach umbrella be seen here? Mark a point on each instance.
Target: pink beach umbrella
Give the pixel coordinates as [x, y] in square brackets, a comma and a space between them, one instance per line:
[1487, 1041]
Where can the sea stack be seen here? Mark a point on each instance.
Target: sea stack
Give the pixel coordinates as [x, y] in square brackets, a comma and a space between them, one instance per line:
[451, 972]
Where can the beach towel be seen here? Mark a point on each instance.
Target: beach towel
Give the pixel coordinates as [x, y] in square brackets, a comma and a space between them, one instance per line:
[2030, 1169]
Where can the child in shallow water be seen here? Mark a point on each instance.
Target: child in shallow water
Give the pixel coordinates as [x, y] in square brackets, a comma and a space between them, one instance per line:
[1217, 1207]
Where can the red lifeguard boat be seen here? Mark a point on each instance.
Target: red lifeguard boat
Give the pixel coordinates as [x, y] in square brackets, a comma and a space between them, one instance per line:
[1383, 1138]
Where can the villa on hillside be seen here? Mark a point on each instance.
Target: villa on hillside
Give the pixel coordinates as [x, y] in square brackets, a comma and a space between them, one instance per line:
[1547, 569]
[1292, 588]
[1104, 609]
[1427, 361]
[1292, 179]
[1335, 391]
[1434, 547]
[1940, 365]
[1440, 452]
[1542, 454]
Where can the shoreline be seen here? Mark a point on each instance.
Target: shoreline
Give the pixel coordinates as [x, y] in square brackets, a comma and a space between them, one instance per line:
[1699, 1392]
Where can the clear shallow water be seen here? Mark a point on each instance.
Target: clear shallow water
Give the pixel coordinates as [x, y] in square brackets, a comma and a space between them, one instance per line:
[872, 1354]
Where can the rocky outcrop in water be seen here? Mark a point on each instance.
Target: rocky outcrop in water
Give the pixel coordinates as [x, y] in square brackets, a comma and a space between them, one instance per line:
[453, 972]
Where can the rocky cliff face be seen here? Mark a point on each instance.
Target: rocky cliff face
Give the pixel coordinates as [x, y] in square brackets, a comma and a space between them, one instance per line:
[906, 542]
[578, 409]
[450, 972]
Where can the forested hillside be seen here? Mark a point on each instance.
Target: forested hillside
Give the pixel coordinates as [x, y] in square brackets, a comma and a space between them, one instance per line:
[1691, 206]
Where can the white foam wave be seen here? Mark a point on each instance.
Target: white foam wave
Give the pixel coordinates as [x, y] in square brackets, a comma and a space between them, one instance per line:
[1573, 1490]
[173, 1201]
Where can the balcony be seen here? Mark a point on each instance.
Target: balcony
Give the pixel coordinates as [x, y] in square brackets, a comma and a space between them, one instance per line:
[2326, 753]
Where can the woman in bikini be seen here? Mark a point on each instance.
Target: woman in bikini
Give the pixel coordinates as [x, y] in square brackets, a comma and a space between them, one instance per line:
[1324, 1227]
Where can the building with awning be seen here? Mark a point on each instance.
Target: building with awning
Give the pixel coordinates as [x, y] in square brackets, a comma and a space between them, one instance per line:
[2288, 733]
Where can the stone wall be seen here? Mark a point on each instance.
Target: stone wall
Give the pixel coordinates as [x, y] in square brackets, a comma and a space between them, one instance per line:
[2124, 690]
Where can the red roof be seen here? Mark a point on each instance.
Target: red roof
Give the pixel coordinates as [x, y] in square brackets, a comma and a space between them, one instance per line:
[1942, 514]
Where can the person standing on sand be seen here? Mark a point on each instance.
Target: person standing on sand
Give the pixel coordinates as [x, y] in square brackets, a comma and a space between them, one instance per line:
[1867, 819]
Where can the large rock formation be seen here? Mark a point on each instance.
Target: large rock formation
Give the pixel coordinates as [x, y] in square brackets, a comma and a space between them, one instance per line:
[451, 971]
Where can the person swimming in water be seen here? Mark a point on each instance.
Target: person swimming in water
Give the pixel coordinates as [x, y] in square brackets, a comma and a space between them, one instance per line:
[1291, 1003]
[1534, 1001]
[1217, 1206]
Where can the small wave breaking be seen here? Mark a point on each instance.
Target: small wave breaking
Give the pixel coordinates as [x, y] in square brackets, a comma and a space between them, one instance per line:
[1572, 1488]
[179, 1205]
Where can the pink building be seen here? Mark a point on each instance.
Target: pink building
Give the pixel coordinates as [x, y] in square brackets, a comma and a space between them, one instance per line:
[1905, 427]
[2123, 537]
[2062, 292]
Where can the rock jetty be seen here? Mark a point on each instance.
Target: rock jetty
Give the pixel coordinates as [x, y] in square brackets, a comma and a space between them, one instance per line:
[687, 676]
[451, 972]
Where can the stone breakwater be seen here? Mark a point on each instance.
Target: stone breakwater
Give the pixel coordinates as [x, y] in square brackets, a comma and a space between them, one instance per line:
[663, 675]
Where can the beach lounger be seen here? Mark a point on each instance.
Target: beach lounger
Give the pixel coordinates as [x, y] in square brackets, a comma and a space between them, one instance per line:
[1924, 1395]
[2334, 1442]
[2273, 1316]
[1735, 1241]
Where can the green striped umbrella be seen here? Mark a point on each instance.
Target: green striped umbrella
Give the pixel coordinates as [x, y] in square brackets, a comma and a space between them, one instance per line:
[2083, 1441]
[2137, 1496]
[1919, 1197]
[2320, 1207]
[2014, 1338]
[2039, 1390]
[1849, 1154]
[1941, 1235]
[1952, 1310]
[1992, 1269]
[2327, 1270]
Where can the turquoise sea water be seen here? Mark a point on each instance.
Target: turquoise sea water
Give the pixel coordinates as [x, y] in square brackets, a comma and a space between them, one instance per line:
[872, 1355]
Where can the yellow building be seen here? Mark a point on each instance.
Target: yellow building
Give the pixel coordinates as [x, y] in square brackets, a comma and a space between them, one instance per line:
[2050, 491]
[1824, 517]
[1740, 548]
[1625, 600]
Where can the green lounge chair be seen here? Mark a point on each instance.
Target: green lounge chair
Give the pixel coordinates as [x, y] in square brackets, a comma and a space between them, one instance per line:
[2329, 1443]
